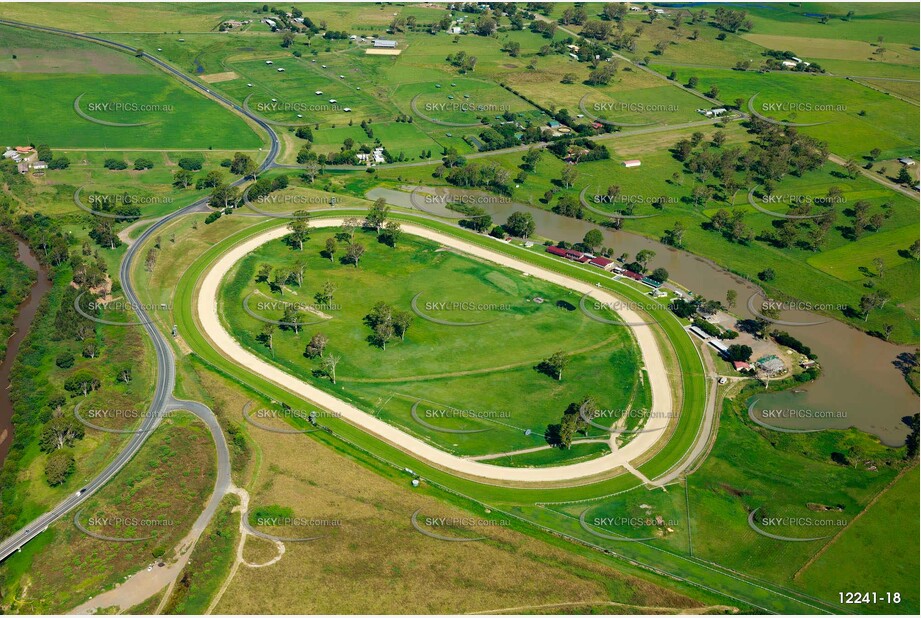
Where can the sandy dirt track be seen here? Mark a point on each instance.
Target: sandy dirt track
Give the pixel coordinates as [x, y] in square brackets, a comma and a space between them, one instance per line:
[662, 402]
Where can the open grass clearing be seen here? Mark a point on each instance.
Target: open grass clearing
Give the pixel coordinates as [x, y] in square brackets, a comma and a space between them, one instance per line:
[853, 261]
[151, 190]
[895, 22]
[794, 479]
[126, 16]
[633, 96]
[908, 90]
[216, 78]
[30, 51]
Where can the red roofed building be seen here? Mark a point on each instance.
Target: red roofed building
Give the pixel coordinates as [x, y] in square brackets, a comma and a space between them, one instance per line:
[572, 254]
[26, 153]
[741, 365]
[603, 263]
[633, 275]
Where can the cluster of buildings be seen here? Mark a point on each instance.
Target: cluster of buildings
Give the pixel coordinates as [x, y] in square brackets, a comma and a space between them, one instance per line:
[793, 62]
[574, 153]
[713, 342]
[770, 365]
[583, 258]
[557, 129]
[375, 157]
[655, 285]
[716, 112]
[26, 159]
[716, 344]
[603, 263]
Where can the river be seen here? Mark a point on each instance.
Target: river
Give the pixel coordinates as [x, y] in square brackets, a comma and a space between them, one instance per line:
[24, 316]
[859, 386]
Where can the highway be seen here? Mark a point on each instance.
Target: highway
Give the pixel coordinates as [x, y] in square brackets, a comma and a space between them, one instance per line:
[163, 401]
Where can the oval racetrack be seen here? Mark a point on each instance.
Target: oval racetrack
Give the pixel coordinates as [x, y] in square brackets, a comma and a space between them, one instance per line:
[655, 430]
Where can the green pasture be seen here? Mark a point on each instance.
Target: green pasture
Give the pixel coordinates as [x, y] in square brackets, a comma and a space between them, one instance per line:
[895, 22]
[894, 564]
[852, 261]
[858, 119]
[179, 117]
[151, 190]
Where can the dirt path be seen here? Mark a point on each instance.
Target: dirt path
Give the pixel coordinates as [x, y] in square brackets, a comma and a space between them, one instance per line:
[630, 609]
[533, 449]
[125, 234]
[143, 584]
[651, 354]
[876, 177]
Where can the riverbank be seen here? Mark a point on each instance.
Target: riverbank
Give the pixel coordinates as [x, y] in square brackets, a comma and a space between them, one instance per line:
[16, 280]
[23, 284]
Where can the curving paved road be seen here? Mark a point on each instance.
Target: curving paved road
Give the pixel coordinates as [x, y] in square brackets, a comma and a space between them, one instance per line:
[163, 401]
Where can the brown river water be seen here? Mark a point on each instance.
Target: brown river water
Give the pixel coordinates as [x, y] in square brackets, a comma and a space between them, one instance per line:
[859, 386]
[26, 313]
